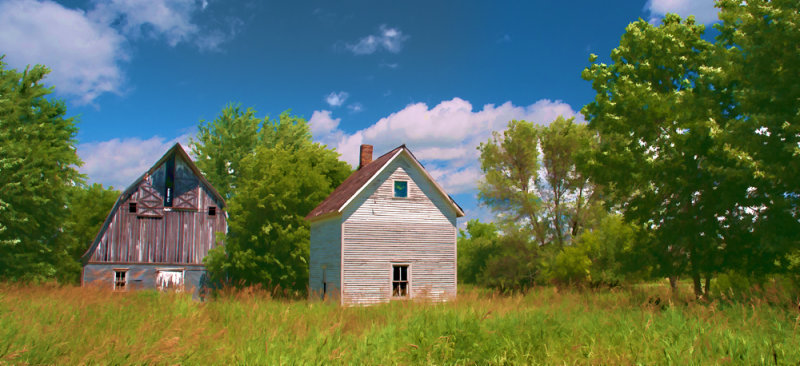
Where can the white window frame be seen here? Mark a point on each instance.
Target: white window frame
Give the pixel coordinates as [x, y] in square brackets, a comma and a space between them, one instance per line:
[408, 188]
[114, 280]
[408, 280]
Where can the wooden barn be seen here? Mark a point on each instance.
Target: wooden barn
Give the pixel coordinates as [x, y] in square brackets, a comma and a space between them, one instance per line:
[159, 230]
[388, 232]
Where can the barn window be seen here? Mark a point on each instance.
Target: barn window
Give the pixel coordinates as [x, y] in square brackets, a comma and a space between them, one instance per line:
[212, 211]
[401, 188]
[132, 207]
[120, 280]
[400, 280]
[170, 279]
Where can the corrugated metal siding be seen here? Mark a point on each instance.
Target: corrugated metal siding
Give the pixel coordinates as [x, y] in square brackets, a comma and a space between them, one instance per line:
[163, 235]
[379, 230]
[325, 251]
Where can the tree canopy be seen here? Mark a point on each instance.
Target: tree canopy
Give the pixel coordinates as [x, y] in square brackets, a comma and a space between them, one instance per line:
[38, 163]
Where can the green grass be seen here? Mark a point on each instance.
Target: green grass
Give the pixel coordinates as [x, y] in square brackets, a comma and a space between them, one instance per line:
[69, 325]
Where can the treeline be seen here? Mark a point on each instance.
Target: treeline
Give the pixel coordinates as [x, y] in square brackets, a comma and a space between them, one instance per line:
[689, 166]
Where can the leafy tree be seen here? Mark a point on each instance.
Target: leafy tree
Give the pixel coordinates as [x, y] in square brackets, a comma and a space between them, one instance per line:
[759, 65]
[282, 180]
[222, 144]
[89, 205]
[475, 247]
[37, 167]
[661, 114]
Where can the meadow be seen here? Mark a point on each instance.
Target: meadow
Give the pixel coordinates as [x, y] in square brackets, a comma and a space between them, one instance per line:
[50, 324]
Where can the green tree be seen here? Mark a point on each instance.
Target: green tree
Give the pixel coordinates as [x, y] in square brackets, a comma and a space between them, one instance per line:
[661, 114]
[38, 163]
[760, 65]
[222, 144]
[282, 180]
[89, 205]
[476, 246]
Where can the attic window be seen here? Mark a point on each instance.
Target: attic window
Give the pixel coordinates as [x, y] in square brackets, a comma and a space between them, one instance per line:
[212, 211]
[401, 188]
[132, 207]
[400, 280]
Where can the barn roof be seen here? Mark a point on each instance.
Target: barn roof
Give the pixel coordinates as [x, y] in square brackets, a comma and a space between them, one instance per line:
[355, 183]
[176, 149]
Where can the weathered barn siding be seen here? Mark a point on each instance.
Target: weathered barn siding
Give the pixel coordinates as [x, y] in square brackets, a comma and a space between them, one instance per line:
[380, 230]
[143, 276]
[155, 234]
[326, 257]
[149, 237]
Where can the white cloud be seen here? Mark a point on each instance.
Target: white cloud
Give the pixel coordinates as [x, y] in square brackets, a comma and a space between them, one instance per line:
[355, 107]
[335, 99]
[83, 55]
[117, 162]
[703, 10]
[389, 39]
[444, 137]
[86, 49]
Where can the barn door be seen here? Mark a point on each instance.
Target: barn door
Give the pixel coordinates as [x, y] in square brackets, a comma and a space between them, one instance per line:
[149, 204]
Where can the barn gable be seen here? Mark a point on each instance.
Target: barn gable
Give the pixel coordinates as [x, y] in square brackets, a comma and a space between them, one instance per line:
[159, 230]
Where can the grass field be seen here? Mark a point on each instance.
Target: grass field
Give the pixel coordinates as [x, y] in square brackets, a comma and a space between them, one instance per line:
[70, 325]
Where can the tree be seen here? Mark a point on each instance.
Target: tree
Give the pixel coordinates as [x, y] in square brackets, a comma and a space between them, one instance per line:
[283, 179]
[222, 144]
[476, 246]
[661, 114]
[38, 163]
[760, 60]
[89, 205]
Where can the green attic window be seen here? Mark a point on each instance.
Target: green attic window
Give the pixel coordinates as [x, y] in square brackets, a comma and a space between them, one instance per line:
[400, 188]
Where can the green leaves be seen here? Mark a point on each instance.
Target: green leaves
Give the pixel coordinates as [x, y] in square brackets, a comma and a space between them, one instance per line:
[37, 168]
[281, 178]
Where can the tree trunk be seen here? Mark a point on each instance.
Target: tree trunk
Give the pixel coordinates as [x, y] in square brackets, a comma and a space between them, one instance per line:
[673, 283]
[708, 285]
[698, 289]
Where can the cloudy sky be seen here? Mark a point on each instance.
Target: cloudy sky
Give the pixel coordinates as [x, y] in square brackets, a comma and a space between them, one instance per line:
[437, 76]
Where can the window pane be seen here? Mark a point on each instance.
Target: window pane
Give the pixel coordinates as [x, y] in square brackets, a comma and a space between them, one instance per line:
[400, 188]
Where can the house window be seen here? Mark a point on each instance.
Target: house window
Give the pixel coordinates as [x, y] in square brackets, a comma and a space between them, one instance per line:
[400, 280]
[401, 188]
[120, 280]
[212, 211]
[132, 207]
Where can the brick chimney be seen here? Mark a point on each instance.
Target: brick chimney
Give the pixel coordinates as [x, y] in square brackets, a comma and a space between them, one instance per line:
[365, 157]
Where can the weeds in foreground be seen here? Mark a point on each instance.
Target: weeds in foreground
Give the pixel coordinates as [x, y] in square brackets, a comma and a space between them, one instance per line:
[51, 324]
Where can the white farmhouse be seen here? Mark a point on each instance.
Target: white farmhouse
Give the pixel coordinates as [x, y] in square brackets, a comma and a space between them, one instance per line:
[388, 232]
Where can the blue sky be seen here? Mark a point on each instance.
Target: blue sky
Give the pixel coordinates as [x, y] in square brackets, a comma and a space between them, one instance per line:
[437, 76]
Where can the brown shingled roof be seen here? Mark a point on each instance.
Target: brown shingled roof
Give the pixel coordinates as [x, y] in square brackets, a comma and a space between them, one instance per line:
[351, 185]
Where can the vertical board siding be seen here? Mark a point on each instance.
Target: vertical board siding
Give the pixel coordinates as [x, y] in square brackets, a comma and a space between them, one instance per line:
[325, 251]
[380, 230]
[181, 235]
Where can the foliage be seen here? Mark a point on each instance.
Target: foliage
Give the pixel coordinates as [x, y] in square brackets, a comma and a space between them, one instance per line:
[38, 163]
[89, 205]
[70, 325]
[475, 247]
[760, 62]
[222, 144]
[661, 114]
[282, 180]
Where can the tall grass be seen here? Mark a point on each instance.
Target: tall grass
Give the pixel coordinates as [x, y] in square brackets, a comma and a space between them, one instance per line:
[69, 325]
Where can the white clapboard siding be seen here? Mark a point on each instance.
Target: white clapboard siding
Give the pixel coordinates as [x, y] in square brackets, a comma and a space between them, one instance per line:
[326, 256]
[380, 230]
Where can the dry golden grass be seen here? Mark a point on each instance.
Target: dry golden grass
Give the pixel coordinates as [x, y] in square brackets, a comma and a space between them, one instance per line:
[51, 324]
